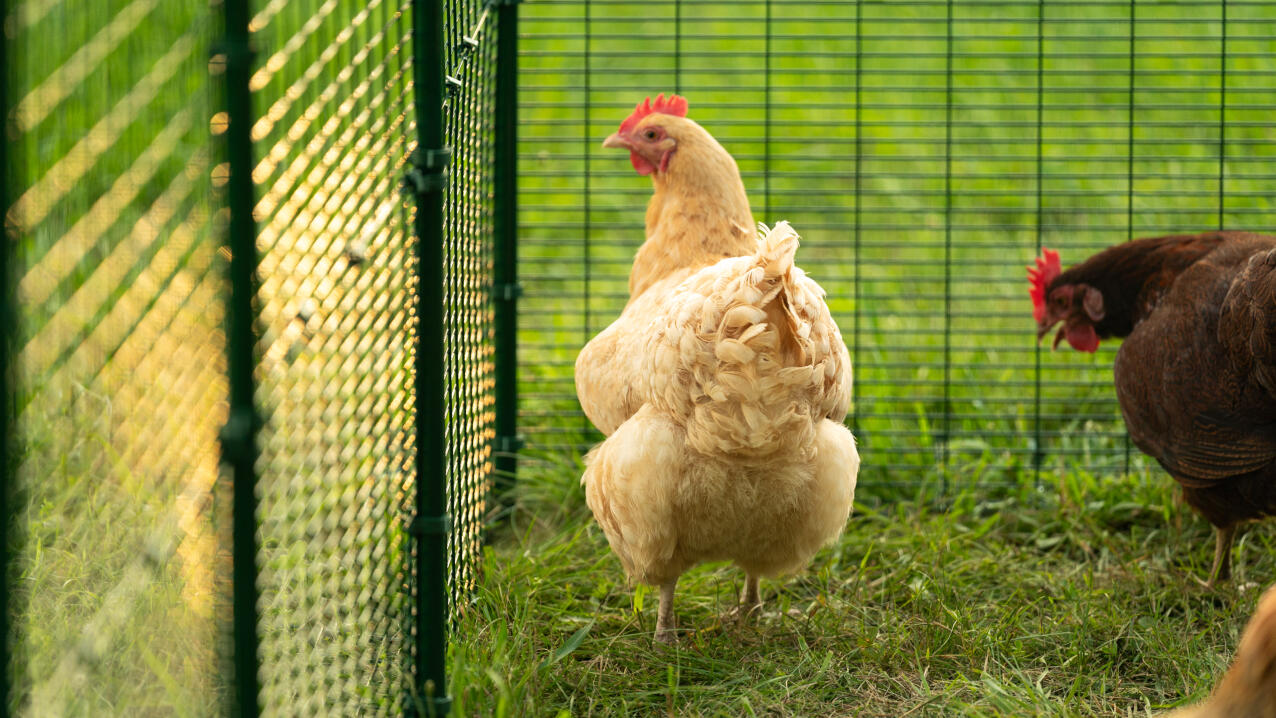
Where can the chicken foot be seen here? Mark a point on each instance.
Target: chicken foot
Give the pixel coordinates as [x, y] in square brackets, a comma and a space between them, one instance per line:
[665, 632]
[1222, 568]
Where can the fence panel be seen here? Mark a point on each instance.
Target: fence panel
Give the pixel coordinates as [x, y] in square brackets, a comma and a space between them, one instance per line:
[121, 386]
[118, 211]
[925, 150]
[337, 276]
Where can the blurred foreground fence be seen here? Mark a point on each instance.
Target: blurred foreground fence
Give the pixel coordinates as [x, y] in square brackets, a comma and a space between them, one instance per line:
[250, 313]
[262, 328]
[925, 150]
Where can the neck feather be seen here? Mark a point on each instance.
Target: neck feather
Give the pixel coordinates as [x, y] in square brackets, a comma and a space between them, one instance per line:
[698, 214]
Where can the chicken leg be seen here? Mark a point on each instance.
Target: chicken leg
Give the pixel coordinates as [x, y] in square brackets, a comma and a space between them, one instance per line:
[664, 618]
[750, 601]
[1222, 568]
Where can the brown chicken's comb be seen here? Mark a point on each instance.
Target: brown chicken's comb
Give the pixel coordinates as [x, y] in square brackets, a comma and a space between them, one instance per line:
[1040, 278]
[676, 105]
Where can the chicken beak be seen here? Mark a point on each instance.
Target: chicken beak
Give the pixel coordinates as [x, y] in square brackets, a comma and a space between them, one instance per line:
[1043, 329]
[1058, 337]
[615, 141]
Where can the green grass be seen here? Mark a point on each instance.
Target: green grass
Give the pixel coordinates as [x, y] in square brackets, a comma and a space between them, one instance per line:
[967, 582]
[1077, 599]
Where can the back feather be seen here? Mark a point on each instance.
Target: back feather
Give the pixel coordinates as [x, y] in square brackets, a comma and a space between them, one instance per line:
[751, 358]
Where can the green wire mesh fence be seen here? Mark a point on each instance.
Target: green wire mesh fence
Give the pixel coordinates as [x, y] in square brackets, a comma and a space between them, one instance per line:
[121, 385]
[469, 226]
[925, 150]
[335, 376]
[150, 150]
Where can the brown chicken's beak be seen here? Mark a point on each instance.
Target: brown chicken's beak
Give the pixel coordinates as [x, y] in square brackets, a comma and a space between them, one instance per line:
[1044, 329]
[615, 141]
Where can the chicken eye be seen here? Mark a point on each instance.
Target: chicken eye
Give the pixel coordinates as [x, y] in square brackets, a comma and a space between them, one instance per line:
[650, 134]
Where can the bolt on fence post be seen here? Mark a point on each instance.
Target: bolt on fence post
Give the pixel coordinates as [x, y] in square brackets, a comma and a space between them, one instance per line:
[505, 286]
[239, 437]
[426, 180]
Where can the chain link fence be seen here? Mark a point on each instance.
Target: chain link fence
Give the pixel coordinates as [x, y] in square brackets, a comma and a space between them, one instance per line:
[119, 364]
[335, 376]
[151, 142]
[925, 150]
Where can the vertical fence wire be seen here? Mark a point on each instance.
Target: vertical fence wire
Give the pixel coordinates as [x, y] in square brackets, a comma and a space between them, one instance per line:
[1037, 454]
[1129, 174]
[677, 46]
[1222, 115]
[505, 280]
[766, 116]
[857, 269]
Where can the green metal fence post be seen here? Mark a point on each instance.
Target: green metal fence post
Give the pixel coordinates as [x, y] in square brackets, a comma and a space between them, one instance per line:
[8, 313]
[239, 437]
[427, 180]
[505, 287]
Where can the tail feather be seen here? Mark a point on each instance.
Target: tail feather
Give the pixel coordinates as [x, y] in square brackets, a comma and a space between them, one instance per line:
[778, 248]
[746, 363]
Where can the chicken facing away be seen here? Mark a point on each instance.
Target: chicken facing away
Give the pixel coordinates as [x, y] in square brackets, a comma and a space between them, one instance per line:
[722, 386]
[1248, 690]
[1196, 375]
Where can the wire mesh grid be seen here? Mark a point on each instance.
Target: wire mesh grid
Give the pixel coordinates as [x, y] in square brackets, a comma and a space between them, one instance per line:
[335, 381]
[120, 371]
[926, 151]
[470, 56]
[121, 352]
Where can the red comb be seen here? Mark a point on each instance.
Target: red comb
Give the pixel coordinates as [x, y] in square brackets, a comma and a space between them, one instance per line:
[1040, 278]
[676, 105]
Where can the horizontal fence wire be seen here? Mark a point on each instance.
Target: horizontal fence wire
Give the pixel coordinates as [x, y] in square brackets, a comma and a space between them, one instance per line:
[337, 272]
[120, 368]
[925, 151]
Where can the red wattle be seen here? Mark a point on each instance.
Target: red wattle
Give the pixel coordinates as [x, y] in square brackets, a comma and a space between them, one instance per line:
[1083, 338]
[640, 163]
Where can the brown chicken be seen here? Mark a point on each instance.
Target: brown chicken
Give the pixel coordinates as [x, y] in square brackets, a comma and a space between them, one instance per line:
[1248, 690]
[1196, 375]
[721, 387]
